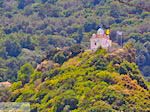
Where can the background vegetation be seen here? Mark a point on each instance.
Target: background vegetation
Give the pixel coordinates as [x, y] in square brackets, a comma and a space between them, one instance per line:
[31, 28]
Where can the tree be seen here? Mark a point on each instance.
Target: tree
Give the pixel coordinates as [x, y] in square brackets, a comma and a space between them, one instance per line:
[24, 73]
[97, 2]
[115, 11]
[23, 3]
[79, 36]
[4, 94]
[3, 53]
[88, 26]
[12, 48]
[60, 58]
[75, 49]
[12, 65]
[26, 43]
[146, 71]
[128, 45]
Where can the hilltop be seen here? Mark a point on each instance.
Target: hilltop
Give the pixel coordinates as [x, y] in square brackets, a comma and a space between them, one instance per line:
[88, 82]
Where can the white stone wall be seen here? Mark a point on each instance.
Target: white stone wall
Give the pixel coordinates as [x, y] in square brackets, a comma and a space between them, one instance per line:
[94, 43]
[97, 42]
[105, 43]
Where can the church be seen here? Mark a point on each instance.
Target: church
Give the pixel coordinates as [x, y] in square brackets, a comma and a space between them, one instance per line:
[101, 39]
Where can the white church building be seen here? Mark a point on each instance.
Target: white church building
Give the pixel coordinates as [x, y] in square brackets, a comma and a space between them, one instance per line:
[101, 39]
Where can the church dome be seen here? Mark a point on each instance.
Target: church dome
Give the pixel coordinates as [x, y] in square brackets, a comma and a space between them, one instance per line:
[100, 31]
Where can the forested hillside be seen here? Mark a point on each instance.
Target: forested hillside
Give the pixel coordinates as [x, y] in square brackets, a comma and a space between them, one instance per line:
[31, 29]
[89, 82]
[44, 53]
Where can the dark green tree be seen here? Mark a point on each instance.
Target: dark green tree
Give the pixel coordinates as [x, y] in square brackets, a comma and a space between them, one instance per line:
[12, 48]
[24, 73]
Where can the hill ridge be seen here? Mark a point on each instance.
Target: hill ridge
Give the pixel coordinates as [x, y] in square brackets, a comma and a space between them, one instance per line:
[96, 84]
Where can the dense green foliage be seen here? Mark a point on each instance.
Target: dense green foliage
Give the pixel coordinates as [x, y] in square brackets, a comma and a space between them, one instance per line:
[31, 28]
[44, 53]
[89, 82]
